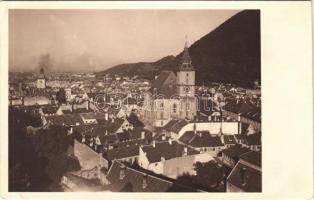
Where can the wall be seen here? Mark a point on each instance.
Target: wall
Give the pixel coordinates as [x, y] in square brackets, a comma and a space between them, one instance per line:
[228, 128]
[87, 157]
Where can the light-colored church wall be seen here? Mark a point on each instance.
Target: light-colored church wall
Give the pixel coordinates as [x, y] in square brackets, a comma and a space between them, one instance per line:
[228, 128]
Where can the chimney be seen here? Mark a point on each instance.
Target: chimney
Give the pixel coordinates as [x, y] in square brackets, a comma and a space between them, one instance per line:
[143, 135]
[154, 143]
[243, 173]
[185, 151]
[162, 159]
[122, 172]
[87, 106]
[194, 128]
[106, 116]
[170, 141]
[144, 183]
[239, 123]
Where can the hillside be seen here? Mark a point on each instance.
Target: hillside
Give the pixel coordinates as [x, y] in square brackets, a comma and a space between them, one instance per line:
[229, 54]
[144, 69]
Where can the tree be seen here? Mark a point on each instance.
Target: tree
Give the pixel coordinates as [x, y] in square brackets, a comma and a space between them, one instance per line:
[209, 174]
[60, 96]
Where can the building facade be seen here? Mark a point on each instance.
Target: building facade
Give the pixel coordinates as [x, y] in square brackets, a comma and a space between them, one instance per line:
[171, 96]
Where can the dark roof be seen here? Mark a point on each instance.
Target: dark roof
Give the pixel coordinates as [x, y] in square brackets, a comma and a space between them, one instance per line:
[133, 181]
[178, 126]
[166, 150]
[229, 139]
[253, 178]
[254, 139]
[134, 120]
[108, 139]
[240, 107]
[94, 115]
[163, 84]
[252, 157]
[49, 110]
[254, 114]
[170, 124]
[235, 151]
[200, 139]
[66, 119]
[123, 136]
[123, 152]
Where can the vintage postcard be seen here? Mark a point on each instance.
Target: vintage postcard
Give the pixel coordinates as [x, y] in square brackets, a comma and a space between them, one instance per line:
[139, 99]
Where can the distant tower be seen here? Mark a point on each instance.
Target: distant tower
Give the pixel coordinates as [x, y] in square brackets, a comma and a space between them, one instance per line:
[41, 81]
[186, 85]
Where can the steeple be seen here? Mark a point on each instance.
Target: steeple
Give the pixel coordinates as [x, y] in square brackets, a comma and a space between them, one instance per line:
[41, 73]
[186, 62]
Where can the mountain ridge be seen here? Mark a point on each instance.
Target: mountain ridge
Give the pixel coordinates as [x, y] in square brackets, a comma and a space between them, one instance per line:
[229, 54]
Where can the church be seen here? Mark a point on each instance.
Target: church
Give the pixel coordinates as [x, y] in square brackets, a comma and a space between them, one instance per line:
[172, 96]
[41, 80]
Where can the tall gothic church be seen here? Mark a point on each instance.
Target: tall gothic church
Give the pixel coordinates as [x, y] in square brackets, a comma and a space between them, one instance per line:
[172, 96]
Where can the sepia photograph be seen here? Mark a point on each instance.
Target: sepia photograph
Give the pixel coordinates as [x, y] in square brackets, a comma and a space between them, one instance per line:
[131, 100]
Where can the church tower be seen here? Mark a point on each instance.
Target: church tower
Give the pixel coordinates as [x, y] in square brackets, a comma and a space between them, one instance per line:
[41, 81]
[186, 85]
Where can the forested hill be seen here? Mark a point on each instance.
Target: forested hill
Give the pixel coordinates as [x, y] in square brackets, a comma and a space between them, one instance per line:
[229, 54]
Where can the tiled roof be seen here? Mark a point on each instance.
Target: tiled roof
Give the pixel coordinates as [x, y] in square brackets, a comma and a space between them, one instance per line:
[201, 139]
[235, 151]
[178, 126]
[253, 178]
[229, 139]
[49, 110]
[166, 150]
[67, 119]
[108, 139]
[133, 181]
[123, 152]
[170, 124]
[252, 157]
[162, 86]
[254, 139]
[239, 107]
[254, 114]
[123, 136]
[93, 115]
[134, 120]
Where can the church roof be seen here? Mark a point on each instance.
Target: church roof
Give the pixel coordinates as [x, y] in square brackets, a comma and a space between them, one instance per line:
[164, 84]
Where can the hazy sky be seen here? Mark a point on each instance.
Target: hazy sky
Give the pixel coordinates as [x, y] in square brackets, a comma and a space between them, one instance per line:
[98, 39]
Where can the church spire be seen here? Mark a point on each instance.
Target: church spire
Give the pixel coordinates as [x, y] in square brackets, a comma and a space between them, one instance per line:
[186, 62]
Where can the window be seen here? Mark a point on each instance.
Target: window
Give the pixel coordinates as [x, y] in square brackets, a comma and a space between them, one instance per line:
[174, 108]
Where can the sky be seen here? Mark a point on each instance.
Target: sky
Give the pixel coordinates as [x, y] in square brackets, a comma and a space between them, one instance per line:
[93, 40]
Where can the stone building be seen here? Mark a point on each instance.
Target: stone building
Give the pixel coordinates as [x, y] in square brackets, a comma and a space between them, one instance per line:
[171, 96]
